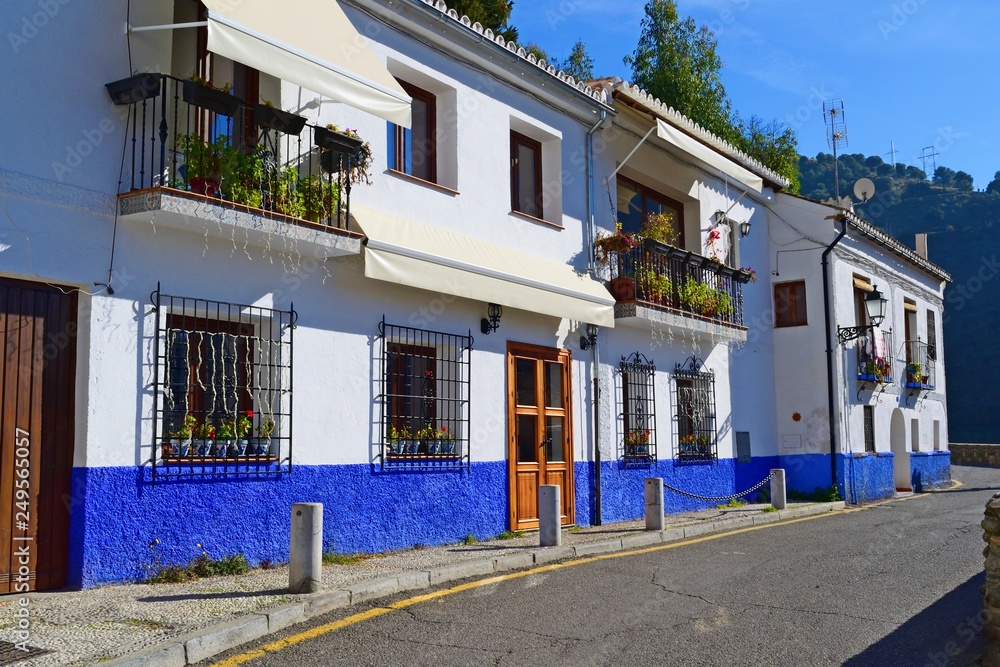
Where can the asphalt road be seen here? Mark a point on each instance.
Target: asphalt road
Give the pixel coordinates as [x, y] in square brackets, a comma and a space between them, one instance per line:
[894, 584]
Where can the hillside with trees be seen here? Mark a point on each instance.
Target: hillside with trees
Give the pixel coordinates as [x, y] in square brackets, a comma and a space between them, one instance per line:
[963, 227]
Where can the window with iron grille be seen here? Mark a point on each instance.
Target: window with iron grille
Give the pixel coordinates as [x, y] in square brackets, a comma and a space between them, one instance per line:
[694, 419]
[869, 428]
[638, 409]
[424, 398]
[222, 388]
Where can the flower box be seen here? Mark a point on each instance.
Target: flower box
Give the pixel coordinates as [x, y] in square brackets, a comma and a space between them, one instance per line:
[337, 143]
[278, 120]
[211, 99]
[134, 88]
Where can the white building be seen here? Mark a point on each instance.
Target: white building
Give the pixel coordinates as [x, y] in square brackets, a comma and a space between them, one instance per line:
[889, 423]
[205, 322]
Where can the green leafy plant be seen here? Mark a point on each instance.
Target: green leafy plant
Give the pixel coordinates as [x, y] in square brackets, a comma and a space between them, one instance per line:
[187, 429]
[637, 436]
[394, 434]
[243, 176]
[244, 424]
[657, 287]
[286, 196]
[205, 431]
[204, 159]
[430, 432]
[818, 495]
[660, 227]
[319, 198]
[510, 534]
[361, 165]
[619, 241]
[470, 539]
[265, 429]
[227, 429]
[733, 503]
[333, 558]
[769, 508]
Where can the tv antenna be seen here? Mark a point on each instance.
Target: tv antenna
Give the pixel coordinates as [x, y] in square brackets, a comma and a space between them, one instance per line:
[928, 153]
[836, 136]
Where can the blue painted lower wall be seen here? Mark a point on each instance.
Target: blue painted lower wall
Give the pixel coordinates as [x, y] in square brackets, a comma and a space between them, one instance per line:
[117, 514]
[864, 479]
[929, 469]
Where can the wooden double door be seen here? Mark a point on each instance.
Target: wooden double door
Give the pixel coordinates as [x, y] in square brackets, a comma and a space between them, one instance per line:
[37, 375]
[540, 441]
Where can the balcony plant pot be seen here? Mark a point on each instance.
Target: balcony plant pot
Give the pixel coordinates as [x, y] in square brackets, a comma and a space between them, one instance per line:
[623, 289]
[278, 120]
[239, 448]
[203, 446]
[211, 99]
[222, 448]
[338, 143]
[135, 88]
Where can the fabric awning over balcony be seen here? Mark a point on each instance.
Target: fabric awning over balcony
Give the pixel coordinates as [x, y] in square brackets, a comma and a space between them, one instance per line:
[311, 43]
[419, 255]
[708, 155]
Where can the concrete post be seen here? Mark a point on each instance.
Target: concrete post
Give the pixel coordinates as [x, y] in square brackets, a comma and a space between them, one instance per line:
[549, 533]
[778, 497]
[305, 563]
[654, 503]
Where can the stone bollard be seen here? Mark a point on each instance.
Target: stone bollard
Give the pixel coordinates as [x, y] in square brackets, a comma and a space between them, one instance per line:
[549, 533]
[991, 591]
[654, 503]
[305, 563]
[778, 497]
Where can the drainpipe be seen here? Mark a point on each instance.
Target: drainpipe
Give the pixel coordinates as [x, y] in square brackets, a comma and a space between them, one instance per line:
[596, 357]
[829, 347]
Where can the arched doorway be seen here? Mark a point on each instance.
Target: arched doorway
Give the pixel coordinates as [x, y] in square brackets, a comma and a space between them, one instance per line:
[901, 457]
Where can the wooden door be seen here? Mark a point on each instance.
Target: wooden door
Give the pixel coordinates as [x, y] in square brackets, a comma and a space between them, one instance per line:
[540, 441]
[37, 375]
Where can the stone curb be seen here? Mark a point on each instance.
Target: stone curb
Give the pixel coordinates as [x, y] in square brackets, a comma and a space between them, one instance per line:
[215, 639]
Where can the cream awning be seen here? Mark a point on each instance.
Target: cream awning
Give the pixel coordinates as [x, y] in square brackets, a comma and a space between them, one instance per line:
[419, 255]
[311, 43]
[708, 155]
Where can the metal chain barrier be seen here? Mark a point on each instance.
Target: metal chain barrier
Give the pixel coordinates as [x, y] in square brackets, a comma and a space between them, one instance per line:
[717, 498]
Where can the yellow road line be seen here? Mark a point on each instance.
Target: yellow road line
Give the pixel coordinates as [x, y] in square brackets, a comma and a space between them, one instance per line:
[319, 630]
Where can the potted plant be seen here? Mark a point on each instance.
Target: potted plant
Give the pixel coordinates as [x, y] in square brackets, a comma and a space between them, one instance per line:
[637, 442]
[319, 198]
[655, 287]
[180, 440]
[344, 147]
[268, 116]
[225, 437]
[244, 425]
[263, 445]
[204, 162]
[141, 86]
[659, 228]
[914, 373]
[243, 175]
[202, 94]
[204, 438]
[440, 441]
[401, 440]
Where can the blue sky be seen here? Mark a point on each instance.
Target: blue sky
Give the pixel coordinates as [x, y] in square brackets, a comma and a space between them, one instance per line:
[913, 72]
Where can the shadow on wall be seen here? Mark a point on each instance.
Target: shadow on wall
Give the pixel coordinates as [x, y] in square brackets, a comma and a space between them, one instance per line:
[945, 633]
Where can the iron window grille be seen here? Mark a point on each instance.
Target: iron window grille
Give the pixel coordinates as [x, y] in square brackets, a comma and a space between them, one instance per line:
[869, 428]
[694, 420]
[424, 398]
[638, 409]
[222, 388]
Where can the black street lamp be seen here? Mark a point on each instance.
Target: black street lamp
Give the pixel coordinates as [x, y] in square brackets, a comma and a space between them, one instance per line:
[875, 307]
[590, 340]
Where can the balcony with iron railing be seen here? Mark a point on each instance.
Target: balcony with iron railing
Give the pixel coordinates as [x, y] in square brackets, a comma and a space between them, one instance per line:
[660, 282]
[921, 365]
[874, 355]
[195, 154]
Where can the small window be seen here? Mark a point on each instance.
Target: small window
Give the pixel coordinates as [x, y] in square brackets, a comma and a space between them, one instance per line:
[932, 335]
[525, 175]
[869, 429]
[636, 202]
[638, 409]
[790, 304]
[413, 151]
[694, 419]
[424, 398]
[223, 388]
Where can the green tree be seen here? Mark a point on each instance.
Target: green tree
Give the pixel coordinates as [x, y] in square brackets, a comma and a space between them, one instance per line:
[775, 145]
[579, 64]
[537, 51]
[676, 61]
[963, 181]
[492, 14]
[994, 186]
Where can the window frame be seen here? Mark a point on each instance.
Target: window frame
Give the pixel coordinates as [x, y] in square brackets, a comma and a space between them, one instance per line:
[689, 378]
[424, 380]
[802, 318]
[932, 343]
[397, 149]
[517, 140]
[869, 428]
[645, 192]
[261, 340]
[638, 408]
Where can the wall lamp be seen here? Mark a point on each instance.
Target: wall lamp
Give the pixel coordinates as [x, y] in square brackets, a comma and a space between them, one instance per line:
[875, 307]
[590, 340]
[745, 228]
[491, 323]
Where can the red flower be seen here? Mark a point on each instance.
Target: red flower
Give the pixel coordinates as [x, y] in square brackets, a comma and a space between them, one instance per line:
[250, 413]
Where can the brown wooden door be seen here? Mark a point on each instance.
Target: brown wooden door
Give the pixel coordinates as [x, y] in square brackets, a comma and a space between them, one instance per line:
[540, 442]
[37, 364]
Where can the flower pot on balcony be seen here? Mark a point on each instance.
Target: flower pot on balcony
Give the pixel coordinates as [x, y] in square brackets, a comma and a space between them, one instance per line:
[623, 289]
[337, 143]
[276, 119]
[204, 186]
[211, 99]
[203, 447]
[135, 88]
[222, 448]
[239, 447]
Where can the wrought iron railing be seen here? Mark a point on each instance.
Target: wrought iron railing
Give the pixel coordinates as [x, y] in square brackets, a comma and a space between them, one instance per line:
[191, 137]
[663, 276]
[875, 357]
[694, 420]
[920, 366]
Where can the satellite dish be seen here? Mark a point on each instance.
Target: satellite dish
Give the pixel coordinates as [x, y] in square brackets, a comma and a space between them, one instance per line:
[864, 189]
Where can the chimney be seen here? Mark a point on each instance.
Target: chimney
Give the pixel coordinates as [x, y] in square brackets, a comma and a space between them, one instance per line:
[921, 245]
